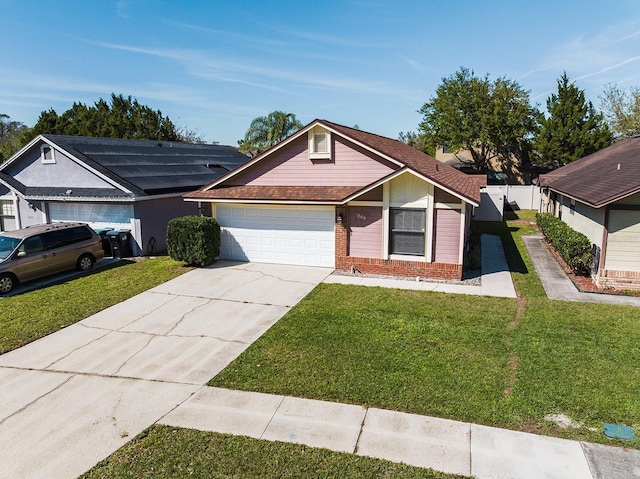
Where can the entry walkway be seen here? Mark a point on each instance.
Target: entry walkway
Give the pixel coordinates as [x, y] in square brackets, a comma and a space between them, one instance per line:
[555, 281]
[496, 277]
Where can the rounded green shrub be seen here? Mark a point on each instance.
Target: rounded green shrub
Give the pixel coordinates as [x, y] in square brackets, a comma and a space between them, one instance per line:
[194, 240]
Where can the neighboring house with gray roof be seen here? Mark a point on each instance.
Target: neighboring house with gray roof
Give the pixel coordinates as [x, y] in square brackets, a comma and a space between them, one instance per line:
[339, 197]
[599, 196]
[109, 183]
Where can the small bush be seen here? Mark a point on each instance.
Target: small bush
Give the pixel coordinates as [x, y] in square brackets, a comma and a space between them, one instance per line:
[194, 240]
[574, 247]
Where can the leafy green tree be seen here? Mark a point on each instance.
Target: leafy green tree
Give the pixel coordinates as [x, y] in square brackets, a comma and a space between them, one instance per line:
[491, 119]
[572, 129]
[123, 117]
[10, 134]
[266, 131]
[622, 110]
[416, 140]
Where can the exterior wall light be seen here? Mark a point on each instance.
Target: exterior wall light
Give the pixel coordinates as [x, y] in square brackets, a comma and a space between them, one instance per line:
[339, 218]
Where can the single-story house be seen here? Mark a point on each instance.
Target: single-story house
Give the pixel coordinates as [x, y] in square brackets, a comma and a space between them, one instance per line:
[109, 183]
[599, 196]
[340, 197]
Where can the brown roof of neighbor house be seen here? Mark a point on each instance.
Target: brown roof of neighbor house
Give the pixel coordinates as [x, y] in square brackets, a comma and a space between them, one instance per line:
[405, 156]
[279, 193]
[603, 177]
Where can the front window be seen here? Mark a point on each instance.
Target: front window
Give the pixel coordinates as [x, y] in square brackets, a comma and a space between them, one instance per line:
[7, 245]
[407, 231]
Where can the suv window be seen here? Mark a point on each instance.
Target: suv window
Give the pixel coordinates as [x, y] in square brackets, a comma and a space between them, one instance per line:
[7, 245]
[64, 237]
[32, 245]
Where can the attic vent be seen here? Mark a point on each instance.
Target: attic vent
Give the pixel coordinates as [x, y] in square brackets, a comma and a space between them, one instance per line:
[215, 165]
[618, 165]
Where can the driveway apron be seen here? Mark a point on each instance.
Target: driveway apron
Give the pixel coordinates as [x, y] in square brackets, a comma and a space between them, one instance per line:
[72, 398]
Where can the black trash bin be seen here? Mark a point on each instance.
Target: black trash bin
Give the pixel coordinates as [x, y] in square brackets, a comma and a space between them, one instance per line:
[120, 241]
[106, 244]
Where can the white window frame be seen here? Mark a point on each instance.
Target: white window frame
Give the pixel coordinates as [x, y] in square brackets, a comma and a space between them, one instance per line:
[319, 155]
[43, 157]
[390, 232]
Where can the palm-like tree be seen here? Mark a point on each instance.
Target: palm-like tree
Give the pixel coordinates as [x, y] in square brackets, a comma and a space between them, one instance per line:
[266, 131]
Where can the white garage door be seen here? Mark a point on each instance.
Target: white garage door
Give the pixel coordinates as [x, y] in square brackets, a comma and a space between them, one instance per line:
[301, 235]
[623, 243]
[97, 215]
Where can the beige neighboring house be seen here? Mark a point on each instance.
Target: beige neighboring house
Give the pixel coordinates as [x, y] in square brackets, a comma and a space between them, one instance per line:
[499, 174]
[599, 196]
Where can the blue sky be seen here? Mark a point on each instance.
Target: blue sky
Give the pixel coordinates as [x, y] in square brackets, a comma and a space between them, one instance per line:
[213, 66]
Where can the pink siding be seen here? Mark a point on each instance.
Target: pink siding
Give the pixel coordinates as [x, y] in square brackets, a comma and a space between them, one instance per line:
[365, 231]
[446, 229]
[291, 166]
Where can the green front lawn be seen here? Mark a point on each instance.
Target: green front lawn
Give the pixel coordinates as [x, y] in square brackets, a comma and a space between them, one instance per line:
[166, 452]
[501, 362]
[32, 315]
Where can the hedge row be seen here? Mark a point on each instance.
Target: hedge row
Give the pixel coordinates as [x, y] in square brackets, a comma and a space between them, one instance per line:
[194, 240]
[574, 247]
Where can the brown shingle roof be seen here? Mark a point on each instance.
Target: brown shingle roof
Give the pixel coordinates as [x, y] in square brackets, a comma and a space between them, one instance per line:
[439, 173]
[418, 161]
[601, 178]
[278, 193]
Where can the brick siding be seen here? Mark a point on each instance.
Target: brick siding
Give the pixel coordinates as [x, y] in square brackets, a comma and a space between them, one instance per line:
[619, 279]
[390, 267]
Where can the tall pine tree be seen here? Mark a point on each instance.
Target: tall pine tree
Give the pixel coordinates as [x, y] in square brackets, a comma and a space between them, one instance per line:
[573, 128]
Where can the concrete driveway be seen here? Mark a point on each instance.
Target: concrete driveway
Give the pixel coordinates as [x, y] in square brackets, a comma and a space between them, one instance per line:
[72, 398]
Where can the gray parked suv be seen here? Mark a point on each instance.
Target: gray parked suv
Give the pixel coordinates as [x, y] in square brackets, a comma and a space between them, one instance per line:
[41, 250]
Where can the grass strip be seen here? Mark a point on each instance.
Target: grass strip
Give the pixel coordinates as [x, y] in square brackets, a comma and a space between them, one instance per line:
[167, 452]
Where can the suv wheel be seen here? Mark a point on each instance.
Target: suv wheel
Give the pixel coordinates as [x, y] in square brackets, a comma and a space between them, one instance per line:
[7, 282]
[85, 262]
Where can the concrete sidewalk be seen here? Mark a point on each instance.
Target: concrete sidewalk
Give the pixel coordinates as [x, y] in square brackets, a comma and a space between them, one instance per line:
[496, 277]
[555, 281]
[444, 445]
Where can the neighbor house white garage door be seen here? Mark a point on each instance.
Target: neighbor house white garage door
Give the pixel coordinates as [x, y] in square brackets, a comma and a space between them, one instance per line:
[98, 215]
[623, 253]
[301, 235]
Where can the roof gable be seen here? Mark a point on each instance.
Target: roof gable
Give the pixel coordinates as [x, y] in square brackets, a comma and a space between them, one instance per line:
[606, 176]
[394, 152]
[144, 167]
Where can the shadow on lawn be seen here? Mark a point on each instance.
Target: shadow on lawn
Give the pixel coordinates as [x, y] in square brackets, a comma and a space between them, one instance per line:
[505, 232]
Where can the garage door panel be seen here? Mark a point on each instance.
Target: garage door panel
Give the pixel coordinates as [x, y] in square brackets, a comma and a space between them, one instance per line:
[97, 215]
[288, 235]
[623, 242]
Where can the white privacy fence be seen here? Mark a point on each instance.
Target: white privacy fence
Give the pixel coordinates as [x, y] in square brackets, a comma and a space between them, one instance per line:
[494, 198]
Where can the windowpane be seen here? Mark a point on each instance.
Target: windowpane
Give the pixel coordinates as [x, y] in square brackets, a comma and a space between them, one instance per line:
[407, 231]
[320, 143]
[407, 243]
[7, 208]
